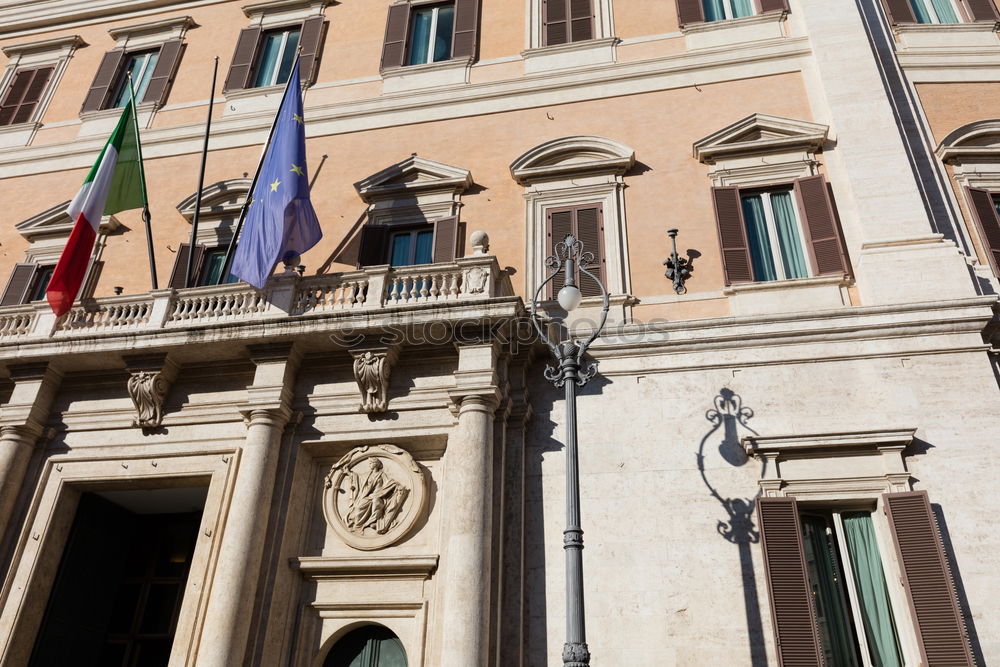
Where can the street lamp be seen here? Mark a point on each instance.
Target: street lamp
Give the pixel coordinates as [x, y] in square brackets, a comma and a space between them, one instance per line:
[570, 373]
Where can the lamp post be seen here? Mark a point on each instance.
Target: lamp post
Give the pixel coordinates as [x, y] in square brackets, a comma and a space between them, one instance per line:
[571, 372]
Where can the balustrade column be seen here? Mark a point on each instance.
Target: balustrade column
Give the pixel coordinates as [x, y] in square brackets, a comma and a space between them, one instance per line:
[234, 587]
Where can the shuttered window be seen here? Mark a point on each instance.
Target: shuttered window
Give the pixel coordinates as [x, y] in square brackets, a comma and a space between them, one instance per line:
[983, 205]
[940, 11]
[23, 95]
[266, 58]
[778, 233]
[404, 245]
[586, 223]
[699, 11]
[153, 72]
[565, 21]
[928, 580]
[180, 265]
[429, 33]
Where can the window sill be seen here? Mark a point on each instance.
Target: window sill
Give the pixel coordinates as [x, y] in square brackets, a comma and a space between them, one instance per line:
[713, 34]
[784, 296]
[264, 98]
[568, 56]
[441, 74]
[103, 121]
[950, 35]
[20, 134]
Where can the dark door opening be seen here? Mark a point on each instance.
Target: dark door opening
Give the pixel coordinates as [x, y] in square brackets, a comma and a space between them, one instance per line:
[117, 595]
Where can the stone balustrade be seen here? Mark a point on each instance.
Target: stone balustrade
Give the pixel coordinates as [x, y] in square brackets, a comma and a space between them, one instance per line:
[287, 295]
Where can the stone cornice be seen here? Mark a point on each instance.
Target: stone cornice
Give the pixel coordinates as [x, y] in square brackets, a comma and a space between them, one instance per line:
[26, 16]
[54, 44]
[594, 82]
[178, 23]
[840, 441]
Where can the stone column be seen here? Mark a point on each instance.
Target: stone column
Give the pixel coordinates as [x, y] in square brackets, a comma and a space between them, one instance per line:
[466, 561]
[230, 608]
[21, 424]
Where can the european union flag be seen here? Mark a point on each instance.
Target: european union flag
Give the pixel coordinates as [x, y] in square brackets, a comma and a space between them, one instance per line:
[280, 222]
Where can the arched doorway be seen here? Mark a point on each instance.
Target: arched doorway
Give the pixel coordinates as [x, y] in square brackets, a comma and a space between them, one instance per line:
[367, 646]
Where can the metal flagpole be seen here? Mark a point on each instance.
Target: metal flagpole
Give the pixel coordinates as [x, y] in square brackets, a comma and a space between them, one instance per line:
[253, 183]
[201, 183]
[142, 179]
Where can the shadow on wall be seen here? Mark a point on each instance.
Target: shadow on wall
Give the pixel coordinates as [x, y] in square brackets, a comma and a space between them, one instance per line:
[956, 576]
[727, 417]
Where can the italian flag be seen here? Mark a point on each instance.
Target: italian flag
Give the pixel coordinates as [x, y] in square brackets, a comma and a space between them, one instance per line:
[115, 183]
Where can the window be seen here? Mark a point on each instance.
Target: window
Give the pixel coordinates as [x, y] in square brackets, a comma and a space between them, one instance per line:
[774, 235]
[832, 581]
[720, 10]
[565, 21]
[935, 11]
[27, 283]
[277, 57]
[420, 33]
[211, 268]
[153, 72]
[853, 610]
[410, 248]
[586, 223]
[23, 94]
[206, 267]
[706, 11]
[265, 57]
[941, 11]
[431, 34]
[778, 233]
[140, 66]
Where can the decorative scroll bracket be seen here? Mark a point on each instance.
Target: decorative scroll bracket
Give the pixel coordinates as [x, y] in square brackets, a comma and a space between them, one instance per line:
[150, 377]
[372, 366]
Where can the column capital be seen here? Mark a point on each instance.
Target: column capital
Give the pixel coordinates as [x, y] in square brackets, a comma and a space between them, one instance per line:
[255, 415]
[35, 387]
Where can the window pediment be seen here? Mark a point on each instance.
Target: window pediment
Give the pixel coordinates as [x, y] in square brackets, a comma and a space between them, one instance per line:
[980, 139]
[760, 133]
[572, 155]
[56, 223]
[220, 199]
[412, 177]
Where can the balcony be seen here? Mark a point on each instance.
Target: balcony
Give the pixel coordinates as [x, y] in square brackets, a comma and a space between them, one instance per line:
[368, 300]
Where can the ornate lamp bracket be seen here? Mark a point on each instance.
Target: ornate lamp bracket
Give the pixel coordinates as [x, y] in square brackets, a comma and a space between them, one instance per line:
[372, 367]
[678, 268]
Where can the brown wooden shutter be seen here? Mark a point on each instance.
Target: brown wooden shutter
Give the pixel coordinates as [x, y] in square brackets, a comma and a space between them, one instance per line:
[243, 57]
[927, 578]
[374, 246]
[396, 27]
[106, 76]
[825, 244]
[690, 11]
[20, 281]
[466, 37]
[581, 14]
[311, 42]
[558, 224]
[446, 239]
[590, 231]
[985, 213]
[732, 235]
[180, 265]
[163, 73]
[23, 95]
[792, 612]
[555, 22]
[899, 11]
[773, 6]
[983, 10]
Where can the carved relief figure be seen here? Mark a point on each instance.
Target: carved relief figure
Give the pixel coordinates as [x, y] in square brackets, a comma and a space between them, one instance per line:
[376, 502]
[148, 391]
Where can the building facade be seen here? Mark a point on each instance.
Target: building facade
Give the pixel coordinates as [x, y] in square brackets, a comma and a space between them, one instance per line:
[784, 461]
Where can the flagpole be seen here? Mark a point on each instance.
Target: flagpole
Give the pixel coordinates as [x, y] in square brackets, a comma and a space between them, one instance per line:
[256, 174]
[142, 179]
[201, 184]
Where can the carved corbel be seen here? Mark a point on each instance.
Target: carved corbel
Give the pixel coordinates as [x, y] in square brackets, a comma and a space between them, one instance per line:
[372, 366]
[150, 377]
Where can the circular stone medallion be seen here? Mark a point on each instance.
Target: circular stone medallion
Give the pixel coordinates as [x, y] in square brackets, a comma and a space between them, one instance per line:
[374, 496]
